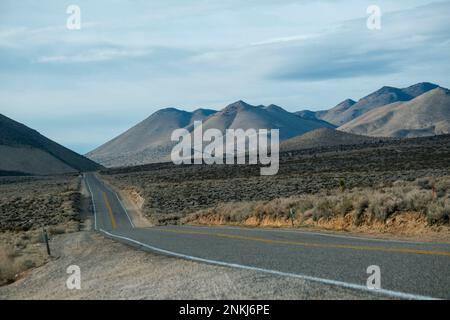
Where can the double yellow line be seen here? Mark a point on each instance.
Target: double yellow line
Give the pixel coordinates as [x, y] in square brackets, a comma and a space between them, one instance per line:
[309, 244]
[111, 215]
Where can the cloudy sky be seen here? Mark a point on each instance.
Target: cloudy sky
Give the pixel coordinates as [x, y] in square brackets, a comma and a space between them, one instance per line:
[133, 57]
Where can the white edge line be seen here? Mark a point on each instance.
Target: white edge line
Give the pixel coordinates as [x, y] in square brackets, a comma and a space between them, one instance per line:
[126, 211]
[93, 202]
[120, 202]
[390, 293]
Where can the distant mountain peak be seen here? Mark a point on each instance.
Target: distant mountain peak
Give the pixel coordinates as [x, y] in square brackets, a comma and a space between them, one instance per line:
[274, 107]
[344, 105]
[419, 88]
[384, 90]
[348, 102]
[169, 109]
[239, 103]
[237, 106]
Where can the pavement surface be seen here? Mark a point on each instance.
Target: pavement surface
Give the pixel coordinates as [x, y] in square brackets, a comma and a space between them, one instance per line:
[408, 270]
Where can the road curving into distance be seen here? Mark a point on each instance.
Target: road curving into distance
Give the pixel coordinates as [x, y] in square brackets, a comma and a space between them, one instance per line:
[409, 270]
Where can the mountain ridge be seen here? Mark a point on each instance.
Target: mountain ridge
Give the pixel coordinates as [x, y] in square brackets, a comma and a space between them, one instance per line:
[427, 114]
[349, 109]
[123, 150]
[25, 150]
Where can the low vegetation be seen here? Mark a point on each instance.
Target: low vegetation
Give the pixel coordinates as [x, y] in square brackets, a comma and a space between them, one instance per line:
[427, 197]
[27, 205]
[369, 180]
[28, 202]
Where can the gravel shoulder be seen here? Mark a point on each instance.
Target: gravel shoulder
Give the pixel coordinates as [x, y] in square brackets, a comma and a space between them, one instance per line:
[111, 270]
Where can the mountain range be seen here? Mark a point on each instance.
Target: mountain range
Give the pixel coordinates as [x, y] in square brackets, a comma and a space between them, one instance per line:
[349, 109]
[419, 110]
[425, 115]
[149, 141]
[25, 151]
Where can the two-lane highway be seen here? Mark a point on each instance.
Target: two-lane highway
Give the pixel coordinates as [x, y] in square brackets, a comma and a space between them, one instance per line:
[408, 269]
[109, 213]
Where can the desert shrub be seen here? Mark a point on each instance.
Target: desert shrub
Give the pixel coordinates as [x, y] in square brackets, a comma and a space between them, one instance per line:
[55, 230]
[233, 211]
[377, 203]
[360, 205]
[416, 201]
[438, 212]
[442, 187]
[304, 205]
[424, 183]
[7, 266]
[383, 205]
[342, 185]
[323, 209]
[344, 205]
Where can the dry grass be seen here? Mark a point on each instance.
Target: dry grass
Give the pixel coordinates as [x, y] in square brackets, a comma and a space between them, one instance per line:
[171, 192]
[27, 204]
[19, 252]
[368, 205]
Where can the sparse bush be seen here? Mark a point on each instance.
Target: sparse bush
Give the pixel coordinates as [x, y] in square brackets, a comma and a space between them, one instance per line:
[438, 212]
[417, 201]
[424, 183]
[342, 185]
[360, 204]
[55, 230]
[304, 205]
[8, 269]
[344, 206]
[323, 209]
[442, 187]
[382, 206]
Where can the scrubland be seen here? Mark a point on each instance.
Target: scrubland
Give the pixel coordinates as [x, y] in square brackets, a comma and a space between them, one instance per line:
[27, 206]
[354, 187]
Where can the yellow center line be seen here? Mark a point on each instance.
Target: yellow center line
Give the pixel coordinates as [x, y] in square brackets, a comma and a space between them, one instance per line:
[111, 215]
[309, 244]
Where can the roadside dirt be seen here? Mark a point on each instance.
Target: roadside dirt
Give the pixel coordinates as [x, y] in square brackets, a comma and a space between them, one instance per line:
[405, 226]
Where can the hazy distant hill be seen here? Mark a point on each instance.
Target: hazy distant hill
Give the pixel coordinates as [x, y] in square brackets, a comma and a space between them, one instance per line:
[426, 115]
[348, 110]
[149, 141]
[324, 137]
[24, 150]
[334, 113]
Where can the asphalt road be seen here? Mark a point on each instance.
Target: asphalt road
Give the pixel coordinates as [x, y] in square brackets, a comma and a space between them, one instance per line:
[410, 270]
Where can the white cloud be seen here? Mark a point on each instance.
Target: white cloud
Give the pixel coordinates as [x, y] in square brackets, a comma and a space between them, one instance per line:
[95, 55]
[287, 39]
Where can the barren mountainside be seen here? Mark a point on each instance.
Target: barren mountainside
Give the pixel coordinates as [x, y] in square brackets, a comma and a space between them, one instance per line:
[426, 115]
[324, 137]
[24, 150]
[348, 110]
[149, 141]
